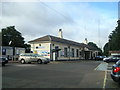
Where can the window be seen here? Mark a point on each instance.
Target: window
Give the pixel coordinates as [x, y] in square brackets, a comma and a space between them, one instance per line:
[65, 52]
[56, 47]
[53, 44]
[77, 55]
[80, 53]
[72, 52]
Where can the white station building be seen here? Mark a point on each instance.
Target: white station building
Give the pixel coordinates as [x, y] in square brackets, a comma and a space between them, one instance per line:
[58, 48]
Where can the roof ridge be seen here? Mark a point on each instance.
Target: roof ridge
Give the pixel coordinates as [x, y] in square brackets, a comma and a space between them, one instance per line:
[57, 39]
[39, 38]
[65, 39]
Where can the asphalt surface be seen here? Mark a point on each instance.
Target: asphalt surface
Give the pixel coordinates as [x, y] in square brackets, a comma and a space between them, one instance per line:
[109, 82]
[67, 74]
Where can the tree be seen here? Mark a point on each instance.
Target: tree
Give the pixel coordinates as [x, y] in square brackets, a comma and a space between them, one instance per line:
[91, 44]
[27, 48]
[0, 38]
[106, 49]
[11, 37]
[114, 40]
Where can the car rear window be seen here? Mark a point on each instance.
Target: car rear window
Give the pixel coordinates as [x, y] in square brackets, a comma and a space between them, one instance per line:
[25, 54]
[118, 62]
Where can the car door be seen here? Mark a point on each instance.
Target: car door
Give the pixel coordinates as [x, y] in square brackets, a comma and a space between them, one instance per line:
[114, 59]
[33, 58]
[26, 57]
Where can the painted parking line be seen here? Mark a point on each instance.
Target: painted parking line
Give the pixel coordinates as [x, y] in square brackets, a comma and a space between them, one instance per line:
[108, 82]
[105, 79]
[102, 67]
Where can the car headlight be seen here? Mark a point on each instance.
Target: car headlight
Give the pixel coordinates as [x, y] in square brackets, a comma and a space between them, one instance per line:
[104, 59]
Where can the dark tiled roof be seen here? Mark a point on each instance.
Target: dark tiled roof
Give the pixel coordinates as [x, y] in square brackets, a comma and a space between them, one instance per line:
[91, 48]
[61, 40]
[57, 39]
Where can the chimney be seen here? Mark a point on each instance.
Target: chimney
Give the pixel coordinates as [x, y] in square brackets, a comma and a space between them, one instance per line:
[86, 41]
[60, 33]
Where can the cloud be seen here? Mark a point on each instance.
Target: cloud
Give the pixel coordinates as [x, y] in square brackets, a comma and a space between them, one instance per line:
[32, 18]
[78, 20]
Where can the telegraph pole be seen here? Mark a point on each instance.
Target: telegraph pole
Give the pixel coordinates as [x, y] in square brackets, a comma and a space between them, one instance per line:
[99, 34]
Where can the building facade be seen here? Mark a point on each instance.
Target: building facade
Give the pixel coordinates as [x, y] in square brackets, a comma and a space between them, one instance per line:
[57, 48]
[114, 52]
[11, 52]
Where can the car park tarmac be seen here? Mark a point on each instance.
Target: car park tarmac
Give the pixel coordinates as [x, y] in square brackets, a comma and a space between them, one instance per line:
[64, 74]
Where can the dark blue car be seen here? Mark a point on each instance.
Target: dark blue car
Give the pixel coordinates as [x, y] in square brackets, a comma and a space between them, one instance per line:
[3, 61]
[100, 57]
[115, 74]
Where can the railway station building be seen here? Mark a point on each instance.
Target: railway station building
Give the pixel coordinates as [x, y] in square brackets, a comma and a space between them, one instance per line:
[58, 48]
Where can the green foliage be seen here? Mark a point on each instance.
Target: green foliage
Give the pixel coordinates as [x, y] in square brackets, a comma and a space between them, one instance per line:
[10, 34]
[114, 40]
[106, 49]
[91, 44]
[0, 41]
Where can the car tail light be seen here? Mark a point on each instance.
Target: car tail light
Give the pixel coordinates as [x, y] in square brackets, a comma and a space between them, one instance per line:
[117, 69]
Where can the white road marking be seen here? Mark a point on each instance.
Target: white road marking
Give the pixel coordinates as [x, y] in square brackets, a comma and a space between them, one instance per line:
[104, 83]
[108, 70]
[102, 67]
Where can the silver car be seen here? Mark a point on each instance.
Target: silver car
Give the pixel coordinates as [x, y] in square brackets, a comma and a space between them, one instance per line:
[31, 57]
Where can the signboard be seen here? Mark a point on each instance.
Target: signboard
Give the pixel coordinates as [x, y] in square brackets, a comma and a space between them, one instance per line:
[44, 53]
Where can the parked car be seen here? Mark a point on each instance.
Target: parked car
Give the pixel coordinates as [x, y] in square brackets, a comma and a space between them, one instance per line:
[3, 60]
[31, 57]
[113, 58]
[115, 73]
[99, 57]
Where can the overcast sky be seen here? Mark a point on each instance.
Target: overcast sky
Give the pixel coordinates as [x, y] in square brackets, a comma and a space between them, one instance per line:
[78, 20]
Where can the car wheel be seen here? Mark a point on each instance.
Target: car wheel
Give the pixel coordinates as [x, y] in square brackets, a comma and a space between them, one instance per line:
[22, 61]
[3, 64]
[39, 61]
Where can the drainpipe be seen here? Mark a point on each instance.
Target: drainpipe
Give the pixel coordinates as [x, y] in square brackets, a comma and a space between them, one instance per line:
[69, 52]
